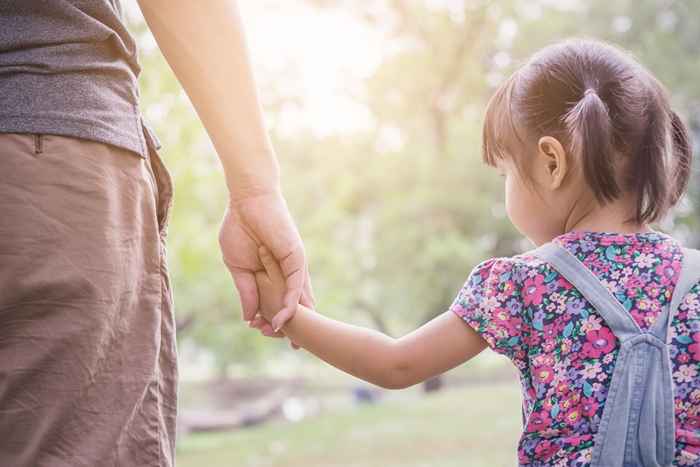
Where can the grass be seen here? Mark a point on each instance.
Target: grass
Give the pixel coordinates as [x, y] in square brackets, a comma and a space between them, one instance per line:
[474, 426]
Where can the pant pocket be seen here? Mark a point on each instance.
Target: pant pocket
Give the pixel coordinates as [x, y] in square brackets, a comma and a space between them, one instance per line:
[164, 190]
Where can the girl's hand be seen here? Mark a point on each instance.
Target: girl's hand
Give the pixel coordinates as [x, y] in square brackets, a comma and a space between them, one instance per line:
[271, 291]
[271, 286]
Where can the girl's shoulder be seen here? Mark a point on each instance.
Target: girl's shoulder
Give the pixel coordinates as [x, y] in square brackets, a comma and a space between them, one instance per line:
[595, 249]
[509, 267]
[503, 275]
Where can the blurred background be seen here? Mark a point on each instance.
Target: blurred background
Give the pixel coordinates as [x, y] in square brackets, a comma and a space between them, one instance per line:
[375, 108]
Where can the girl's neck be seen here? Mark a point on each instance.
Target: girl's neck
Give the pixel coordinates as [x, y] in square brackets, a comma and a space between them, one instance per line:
[607, 218]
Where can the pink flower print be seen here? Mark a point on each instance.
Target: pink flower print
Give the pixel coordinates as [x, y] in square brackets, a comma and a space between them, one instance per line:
[599, 342]
[508, 287]
[547, 404]
[571, 400]
[545, 449]
[694, 348]
[666, 272]
[578, 439]
[523, 457]
[693, 422]
[633, 283]
[538, 421]
[504, 320]
[564, 284]
[531, 394]
[573, 416]
[695, 396]
[513, 325]
[686, 373]
[551, 331]
[653, 289]
[589, 407]
[501, 316]
[533, 289]
[645, 260]
[544, 374]
[613, 240]
[562, 388]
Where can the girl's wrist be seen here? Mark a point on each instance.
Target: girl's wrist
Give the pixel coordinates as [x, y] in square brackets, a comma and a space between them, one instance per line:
[289, 325]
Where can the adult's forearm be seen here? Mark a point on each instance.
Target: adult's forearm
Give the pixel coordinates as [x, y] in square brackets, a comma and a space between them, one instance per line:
[205, 46]
[362, 352]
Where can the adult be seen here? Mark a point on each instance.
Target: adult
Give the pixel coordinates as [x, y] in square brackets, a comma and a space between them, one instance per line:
[88, 361]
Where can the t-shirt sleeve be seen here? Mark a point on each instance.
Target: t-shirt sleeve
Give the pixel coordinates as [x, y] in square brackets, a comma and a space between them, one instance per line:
[490, 302]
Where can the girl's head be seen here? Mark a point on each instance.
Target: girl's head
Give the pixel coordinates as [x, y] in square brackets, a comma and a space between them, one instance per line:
[580, 128]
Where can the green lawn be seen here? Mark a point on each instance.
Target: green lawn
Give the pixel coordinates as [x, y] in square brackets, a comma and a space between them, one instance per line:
[466, 426]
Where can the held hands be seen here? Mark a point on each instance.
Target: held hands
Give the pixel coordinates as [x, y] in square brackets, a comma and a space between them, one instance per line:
[271, 286]
[264, 219]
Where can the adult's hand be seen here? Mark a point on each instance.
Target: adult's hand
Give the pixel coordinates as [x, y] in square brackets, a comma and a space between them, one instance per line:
[206, 49]
[264, 219]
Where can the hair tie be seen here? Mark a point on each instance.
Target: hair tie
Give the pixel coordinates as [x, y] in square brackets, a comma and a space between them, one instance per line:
[589, 91]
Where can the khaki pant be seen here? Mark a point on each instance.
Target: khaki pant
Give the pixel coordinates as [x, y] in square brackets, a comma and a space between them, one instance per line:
[88, 363]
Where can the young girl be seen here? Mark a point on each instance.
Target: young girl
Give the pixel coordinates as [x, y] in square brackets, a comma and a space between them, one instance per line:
[603, 318]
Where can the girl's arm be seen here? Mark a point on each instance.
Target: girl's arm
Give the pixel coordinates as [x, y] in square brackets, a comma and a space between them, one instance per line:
[439, 345]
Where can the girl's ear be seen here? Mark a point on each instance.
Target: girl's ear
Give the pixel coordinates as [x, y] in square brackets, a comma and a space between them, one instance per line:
[553, 159]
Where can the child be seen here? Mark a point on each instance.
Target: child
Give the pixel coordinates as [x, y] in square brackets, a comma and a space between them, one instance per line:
[603, 318]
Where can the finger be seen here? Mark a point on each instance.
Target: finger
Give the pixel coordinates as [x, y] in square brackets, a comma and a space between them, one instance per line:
[255, 322]
[261, 323]
[272, 268]
[293, 268]
[266, 329]
[261, 277]
[277, 335]
[247, 291]
[284, 315]
[307, 295]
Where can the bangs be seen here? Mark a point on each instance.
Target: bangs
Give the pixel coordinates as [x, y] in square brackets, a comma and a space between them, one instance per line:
[499, 132]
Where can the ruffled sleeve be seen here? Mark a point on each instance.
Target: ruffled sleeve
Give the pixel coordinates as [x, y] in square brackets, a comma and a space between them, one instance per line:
[490, 302]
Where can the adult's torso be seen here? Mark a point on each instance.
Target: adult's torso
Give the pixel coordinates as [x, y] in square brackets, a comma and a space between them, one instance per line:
[70, 67]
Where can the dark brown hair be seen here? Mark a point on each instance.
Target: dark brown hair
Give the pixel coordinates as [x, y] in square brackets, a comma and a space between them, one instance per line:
[607, 110]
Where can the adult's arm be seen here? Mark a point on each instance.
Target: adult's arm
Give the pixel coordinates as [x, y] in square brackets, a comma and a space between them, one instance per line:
[204, 44]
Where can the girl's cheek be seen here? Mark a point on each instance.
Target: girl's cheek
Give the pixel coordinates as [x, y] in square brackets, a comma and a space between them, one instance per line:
[517, 205]
[511, 200]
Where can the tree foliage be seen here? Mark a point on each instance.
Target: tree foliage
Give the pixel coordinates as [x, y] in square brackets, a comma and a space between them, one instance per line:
[395, 217]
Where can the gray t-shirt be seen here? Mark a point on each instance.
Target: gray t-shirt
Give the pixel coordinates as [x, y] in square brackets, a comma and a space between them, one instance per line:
[70, 67]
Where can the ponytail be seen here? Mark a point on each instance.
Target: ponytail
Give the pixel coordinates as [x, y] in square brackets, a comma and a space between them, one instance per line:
[590, 131]
[650, 164]
[683, 155]
[662, 167]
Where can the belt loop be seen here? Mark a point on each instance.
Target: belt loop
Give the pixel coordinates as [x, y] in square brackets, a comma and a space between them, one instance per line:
[38, 146]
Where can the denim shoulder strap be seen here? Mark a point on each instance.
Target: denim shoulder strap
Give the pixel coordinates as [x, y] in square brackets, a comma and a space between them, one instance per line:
[573, 270]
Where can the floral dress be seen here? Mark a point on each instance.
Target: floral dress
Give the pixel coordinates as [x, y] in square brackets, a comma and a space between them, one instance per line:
[564, 350]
